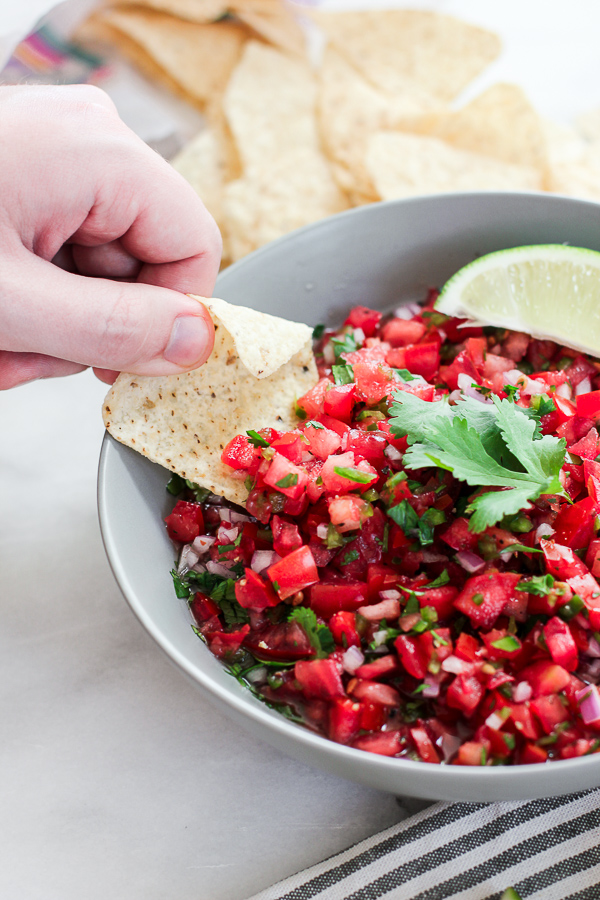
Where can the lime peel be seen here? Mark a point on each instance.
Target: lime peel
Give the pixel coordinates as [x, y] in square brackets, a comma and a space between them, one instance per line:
[550, 291]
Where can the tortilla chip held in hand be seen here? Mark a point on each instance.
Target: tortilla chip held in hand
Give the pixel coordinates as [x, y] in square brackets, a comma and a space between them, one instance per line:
[259, 366]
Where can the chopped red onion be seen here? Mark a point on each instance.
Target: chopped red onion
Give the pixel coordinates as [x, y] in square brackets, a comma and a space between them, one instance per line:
[379, 638]
[450, 744]
[262, 559]
[564, 390]
[187, 558]
[255, 676]
[589, 669]
[389, 595]
[352, 659]
[522, 692]
[322, 531]
[589, 703]
[199, 568]
[543, 531]
[584, 387]
[407, 311]
[227, 535]
[494, 721]
[231, 515]
[328, 354]
[216, 568]
[455, 396]
[430, 556]
[387, 609]
[593, 648]
[469, 561]
[392, 453]
[431, 689]
[465, 383]
[457, 666]
[203, 543]
[359, 336]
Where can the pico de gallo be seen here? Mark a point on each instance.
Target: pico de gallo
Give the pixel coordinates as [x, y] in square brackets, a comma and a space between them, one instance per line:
[416, 570]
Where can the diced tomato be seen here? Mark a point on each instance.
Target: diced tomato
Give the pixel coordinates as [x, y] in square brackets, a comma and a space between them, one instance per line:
[348, 512]
[369, 445]
[477, 350]
[364, 318]
[587, 447]
[293, 573]
[465, 693]
[186, 522]
[339, 401]
[225, 643]
[441, 599]
[592, 558]
[329, 598]
[424, 745]
[484, 596]
[240, 453]
[550, 712]
[285, 477]
[312, 401]
[319, 678]
[574, 525]
[322, 442]
[379, 668]
[467, 647]
[401, 332]
[343, 628]
[560, 643]
[286, 641]
[531, 753]
[463, 364]
[588, 405]
[496, 365]
[458, 536]
[423, 359]
[472, 753]
[373, 380]
[545, 677]
[357, 475]
[561, 561]
[579, 369]
[291, 445]
[286, 536]
[253, 592]
[411, 656]
[344, 719]
[385, 743]
[374, 692]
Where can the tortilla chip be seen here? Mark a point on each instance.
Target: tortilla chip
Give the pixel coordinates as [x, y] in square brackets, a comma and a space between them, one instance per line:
[276, 25]
[270, 201]
[197, 58]
[563, 143]
[405, 165]
[270, 105]
[259, 366]
[349, 110]
[438, 53]
[192, 10]
[207, 162]
[580, 178]
[588, 125]
[500, 123]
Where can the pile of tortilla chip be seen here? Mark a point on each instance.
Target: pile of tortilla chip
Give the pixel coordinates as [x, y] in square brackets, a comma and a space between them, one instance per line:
[311, 112]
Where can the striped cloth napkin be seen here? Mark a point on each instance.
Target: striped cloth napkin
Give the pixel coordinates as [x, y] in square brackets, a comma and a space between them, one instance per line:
[536, 850]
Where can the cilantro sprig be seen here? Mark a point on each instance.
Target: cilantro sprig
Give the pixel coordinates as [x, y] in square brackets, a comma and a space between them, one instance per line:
[497, 445]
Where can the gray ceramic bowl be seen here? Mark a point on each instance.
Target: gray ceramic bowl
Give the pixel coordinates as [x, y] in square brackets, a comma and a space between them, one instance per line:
[378, 256]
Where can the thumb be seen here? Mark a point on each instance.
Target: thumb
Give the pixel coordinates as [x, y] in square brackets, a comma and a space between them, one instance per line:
[122, 326]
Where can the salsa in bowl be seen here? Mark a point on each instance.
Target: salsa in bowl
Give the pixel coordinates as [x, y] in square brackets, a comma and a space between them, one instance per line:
[390, 673]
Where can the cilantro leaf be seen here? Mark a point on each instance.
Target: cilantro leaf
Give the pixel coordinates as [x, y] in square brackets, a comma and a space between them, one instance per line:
[319, 635]
[485, 445]
[414, 527]
[343, 374]
[345, 343]
[256, 439]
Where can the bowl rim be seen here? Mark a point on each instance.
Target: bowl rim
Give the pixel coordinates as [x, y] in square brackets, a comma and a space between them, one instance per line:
[462, 776]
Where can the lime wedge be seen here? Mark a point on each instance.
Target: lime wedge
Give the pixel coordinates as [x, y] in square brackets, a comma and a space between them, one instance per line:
[550, 291]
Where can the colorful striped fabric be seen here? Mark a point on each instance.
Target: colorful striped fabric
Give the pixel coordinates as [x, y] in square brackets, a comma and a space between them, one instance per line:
[544, 849]
[45, 57]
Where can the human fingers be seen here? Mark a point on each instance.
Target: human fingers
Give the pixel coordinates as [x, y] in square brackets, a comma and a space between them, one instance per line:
[116, 325]
[20, 368]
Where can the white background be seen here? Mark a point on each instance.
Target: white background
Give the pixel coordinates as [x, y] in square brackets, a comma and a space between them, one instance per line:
[117, 777]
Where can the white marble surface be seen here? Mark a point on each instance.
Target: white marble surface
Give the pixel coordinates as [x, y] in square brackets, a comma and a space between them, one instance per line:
[117, 778]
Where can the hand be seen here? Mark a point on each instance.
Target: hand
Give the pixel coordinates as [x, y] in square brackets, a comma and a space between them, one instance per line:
[100, 239]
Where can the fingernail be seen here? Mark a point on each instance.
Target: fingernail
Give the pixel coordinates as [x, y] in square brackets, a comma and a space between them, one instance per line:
[189, 342]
